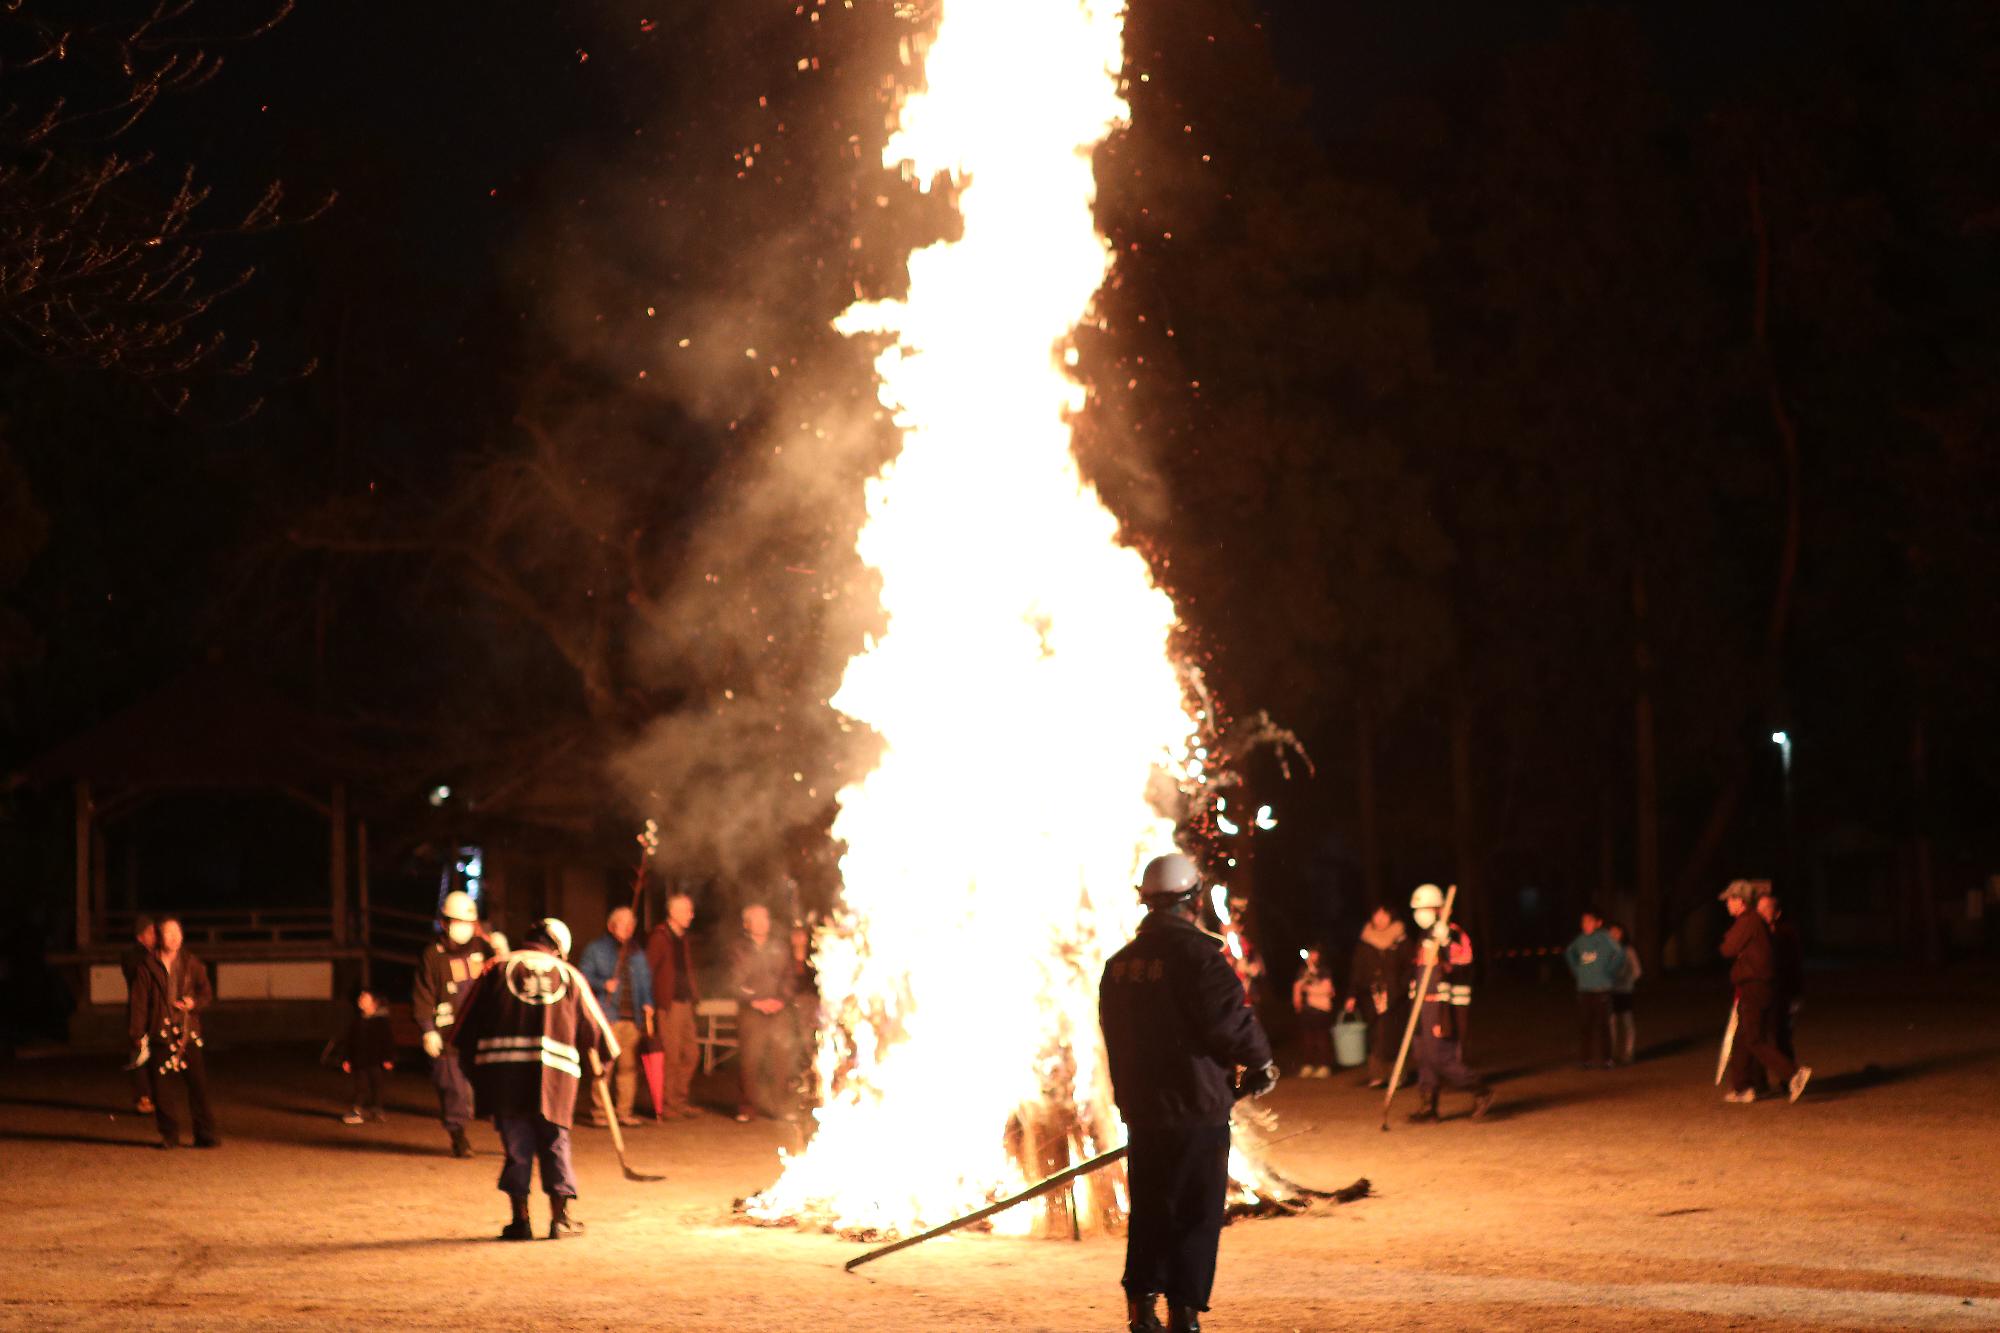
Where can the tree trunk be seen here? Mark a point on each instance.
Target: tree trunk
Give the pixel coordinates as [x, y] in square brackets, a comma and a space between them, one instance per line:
[1924, 918]
[1471, 883]
[1364, 795]
[1646, 822]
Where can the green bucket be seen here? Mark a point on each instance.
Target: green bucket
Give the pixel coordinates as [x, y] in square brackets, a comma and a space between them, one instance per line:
[1350, 1041]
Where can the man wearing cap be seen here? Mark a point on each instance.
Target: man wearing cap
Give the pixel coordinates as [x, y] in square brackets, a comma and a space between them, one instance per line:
[1176, 1031]
[1753, 972]
[445, 971]
[525, 1030]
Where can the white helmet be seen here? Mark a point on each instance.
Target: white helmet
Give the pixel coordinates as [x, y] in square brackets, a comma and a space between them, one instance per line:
[1424, 904]
[1168, 879]
[458, 906]
[552, 932]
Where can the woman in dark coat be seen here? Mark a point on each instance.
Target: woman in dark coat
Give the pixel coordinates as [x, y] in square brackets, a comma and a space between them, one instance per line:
[1378, 979]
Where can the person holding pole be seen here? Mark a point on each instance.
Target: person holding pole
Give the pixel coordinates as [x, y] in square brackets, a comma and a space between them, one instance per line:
[445, 972]
[1442, 952]
[1176, 1030]
[1753, 973]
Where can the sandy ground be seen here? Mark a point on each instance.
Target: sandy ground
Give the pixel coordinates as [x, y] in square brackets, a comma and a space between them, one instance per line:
[1630, 1198]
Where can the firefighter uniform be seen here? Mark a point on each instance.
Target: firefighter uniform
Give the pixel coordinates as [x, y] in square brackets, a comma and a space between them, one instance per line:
[1440, 1035]
[1176, 1028]
[523, 1036]
[445, 973]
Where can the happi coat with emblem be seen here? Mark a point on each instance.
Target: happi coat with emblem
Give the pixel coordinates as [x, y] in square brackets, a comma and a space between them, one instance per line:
[525, 1033]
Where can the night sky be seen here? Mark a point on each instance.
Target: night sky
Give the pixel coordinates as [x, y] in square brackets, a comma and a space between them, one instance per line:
[1473, 290]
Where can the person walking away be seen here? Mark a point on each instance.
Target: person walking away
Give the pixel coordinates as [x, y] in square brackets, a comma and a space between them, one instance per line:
[760, 979]
[1376, 977]
[367, 1051]
[1788, 967]
[1752, 971]
[1594, 960]
[144, 937]
[163, 1019]
[1624, 1023]
[623, 985]
[1176, 1031]
[445, 970]
[1312, 1001]
[670, 955]
[529, 1026]
[1442, 1008]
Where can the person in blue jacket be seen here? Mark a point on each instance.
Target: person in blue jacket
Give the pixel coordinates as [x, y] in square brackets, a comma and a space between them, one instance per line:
[1595, 960]
[622, 982]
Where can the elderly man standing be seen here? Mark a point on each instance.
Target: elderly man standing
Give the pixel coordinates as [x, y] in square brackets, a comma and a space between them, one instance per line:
[623, 985]
[131, 963]
[760, 978]
[670, 955]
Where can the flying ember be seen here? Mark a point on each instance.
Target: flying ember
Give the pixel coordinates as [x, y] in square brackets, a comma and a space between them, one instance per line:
[1023, 689]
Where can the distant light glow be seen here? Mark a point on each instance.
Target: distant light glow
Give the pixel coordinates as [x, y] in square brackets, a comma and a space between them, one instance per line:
[1781, 738]
[440, 794]
[1219, 895]
[1264, 818]
[1223, 822]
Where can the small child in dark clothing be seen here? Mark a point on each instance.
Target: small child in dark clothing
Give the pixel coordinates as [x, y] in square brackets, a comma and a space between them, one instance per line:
[368, 1049]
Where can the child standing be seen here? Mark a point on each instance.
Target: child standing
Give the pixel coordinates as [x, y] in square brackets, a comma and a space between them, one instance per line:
[366, 1052]
[1312, 1001]
[1624, 1026]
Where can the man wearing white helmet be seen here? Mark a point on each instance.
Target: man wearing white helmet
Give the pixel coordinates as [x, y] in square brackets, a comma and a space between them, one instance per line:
[528, 1027]
[1176, 1031]
[445, 971]
[1442, 1007]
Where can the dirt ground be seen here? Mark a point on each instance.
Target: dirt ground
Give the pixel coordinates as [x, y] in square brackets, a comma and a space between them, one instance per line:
[1630, 1198]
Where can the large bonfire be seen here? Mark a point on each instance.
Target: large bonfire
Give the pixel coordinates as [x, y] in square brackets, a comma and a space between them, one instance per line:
[1024, 689]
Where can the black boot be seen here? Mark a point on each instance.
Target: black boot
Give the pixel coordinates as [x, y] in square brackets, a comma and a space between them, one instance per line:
[520, 1228]
[1427, 1109]
[562, 1224]
[1183, 1318]
[460, 1145]
[1141, 1316]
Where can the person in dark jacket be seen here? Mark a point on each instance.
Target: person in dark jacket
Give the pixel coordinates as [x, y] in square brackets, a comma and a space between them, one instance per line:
[1376, 977]
[1753, 973]
[1176, 1030]
[367, 1050]
[163, 1019]
[445, 971]
[527, 1028]
[670, 954]
[1438, 1046]
[144, 937]
[1788, 968]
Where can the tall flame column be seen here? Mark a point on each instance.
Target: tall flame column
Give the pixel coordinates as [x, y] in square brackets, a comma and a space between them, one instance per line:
[1023, 687]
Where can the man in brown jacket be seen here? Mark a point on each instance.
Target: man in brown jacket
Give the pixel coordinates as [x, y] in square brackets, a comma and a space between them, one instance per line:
[671, 955]
[163, 1019]
[1753, 972]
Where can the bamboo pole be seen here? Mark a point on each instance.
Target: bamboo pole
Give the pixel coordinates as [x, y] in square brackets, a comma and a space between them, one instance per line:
[1416, 1010]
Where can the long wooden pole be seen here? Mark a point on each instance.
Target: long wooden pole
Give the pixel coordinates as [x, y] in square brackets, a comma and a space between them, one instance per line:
[1416, 1009]
[1040, 1187]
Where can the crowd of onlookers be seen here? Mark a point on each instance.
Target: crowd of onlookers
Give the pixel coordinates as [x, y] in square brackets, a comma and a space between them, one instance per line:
[1767, 975]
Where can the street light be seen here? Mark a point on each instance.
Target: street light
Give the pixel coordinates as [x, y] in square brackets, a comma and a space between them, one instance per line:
[1783, 740]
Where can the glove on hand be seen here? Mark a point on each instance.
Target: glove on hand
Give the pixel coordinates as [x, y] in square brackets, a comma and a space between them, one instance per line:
[433, 1045]
[1257, 1082]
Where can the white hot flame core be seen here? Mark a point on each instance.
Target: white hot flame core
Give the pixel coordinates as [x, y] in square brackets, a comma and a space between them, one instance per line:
[1024, 687]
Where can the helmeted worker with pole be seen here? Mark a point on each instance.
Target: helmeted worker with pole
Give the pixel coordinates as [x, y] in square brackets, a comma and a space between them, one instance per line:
[445, 972]
[526, 1030]
[1442, 970]
[1176, 1030]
